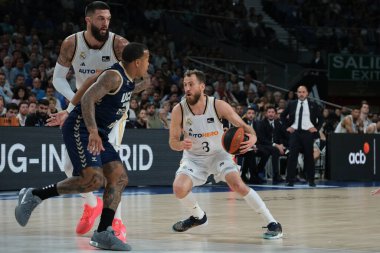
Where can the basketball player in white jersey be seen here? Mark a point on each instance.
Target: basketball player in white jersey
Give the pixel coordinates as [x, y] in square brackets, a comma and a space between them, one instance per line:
[350, 123]
[198, 118]
[89, 52]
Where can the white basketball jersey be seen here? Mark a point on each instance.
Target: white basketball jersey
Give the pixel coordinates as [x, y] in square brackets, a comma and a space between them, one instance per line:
[87, 61]
[340, 129]
[204, 130]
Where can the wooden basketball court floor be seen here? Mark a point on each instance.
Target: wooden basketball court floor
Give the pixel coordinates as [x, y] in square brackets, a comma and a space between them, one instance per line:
[323, 219]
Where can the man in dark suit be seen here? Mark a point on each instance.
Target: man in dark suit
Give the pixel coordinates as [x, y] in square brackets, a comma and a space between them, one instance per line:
[249, 158]
[271, 141]
[303, 119]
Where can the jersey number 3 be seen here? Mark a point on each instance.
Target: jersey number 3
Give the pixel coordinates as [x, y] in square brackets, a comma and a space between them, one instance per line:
[205, 147]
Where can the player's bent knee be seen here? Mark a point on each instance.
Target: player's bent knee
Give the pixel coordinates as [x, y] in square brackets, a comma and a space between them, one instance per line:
[179, 190]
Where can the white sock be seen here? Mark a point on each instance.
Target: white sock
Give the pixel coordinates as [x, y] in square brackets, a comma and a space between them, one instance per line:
[191, 204]
[118, 212]
[255, 202]
[89, 199]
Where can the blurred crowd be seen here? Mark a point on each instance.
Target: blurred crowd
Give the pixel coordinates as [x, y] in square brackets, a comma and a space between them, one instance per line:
[336, 26]
[30, 42]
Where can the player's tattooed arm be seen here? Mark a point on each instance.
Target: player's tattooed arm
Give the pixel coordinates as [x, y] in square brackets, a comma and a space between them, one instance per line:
[107, 82]
[119, 45]
[142, 84]
[66, 53]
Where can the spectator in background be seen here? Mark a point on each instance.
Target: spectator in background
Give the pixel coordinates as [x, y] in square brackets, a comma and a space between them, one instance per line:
[156, 98]
[40, 93]
[19, 69]
[10, 117]
[290, 96]
[52, 105]
[51, 93]
[19, 81]
[144, 99]
[239, 95]
[154, 120]
[32, 108]
[364, 111]
[249, 161]
[250, 98]
[33, 73]
[43, 74]
[351, 123]
[3, 109]
[39, 118]
[133, 109]
[5, 89]
[240, 110]
[277, 96]
[271, 142]
[23, 111]
[19, 95]
[248, 83]
[6, 69]
[165, 114]
[142, 119]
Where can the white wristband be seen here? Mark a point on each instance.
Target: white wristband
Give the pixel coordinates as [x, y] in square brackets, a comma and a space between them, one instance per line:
[70, 107]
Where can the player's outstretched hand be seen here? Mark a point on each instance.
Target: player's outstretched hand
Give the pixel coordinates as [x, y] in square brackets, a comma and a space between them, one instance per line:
[57, 119]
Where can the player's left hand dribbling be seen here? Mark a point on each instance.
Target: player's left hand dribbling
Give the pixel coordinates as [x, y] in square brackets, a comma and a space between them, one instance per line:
[247, 145]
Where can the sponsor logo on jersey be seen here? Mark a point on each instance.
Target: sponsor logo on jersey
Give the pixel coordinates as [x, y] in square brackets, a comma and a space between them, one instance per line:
[106, 58]
[82, 64]
[200, 135]
[87, 71]
[210, 120]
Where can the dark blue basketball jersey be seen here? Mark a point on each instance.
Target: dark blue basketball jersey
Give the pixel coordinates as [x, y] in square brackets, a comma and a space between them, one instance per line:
[112, 106]
[108, 111]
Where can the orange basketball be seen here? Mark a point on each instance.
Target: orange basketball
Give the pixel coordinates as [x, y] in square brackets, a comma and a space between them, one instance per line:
[232, 138]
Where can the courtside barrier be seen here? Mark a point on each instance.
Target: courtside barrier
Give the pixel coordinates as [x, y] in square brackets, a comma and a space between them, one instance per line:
[354, 157]
[33, 157]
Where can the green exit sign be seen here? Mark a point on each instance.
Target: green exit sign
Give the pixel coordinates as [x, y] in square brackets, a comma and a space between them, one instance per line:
[354, 67]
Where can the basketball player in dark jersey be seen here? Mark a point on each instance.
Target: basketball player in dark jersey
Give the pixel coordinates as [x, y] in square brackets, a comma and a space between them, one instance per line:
[96, 162]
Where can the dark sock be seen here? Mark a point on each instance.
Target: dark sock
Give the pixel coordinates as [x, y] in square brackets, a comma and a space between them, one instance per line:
[106, 219]
[46, 192]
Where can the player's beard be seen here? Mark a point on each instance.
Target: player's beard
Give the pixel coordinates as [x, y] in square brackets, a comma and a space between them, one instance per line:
[194, 100]
[97, 35]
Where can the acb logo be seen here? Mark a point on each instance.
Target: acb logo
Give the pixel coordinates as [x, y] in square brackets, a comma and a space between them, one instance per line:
[359, 157]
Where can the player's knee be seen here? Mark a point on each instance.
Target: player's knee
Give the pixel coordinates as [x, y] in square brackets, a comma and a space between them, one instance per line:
[98, 181]
[179, 190]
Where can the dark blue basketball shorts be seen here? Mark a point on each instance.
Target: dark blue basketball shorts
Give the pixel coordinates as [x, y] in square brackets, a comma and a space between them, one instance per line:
[75, 136]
